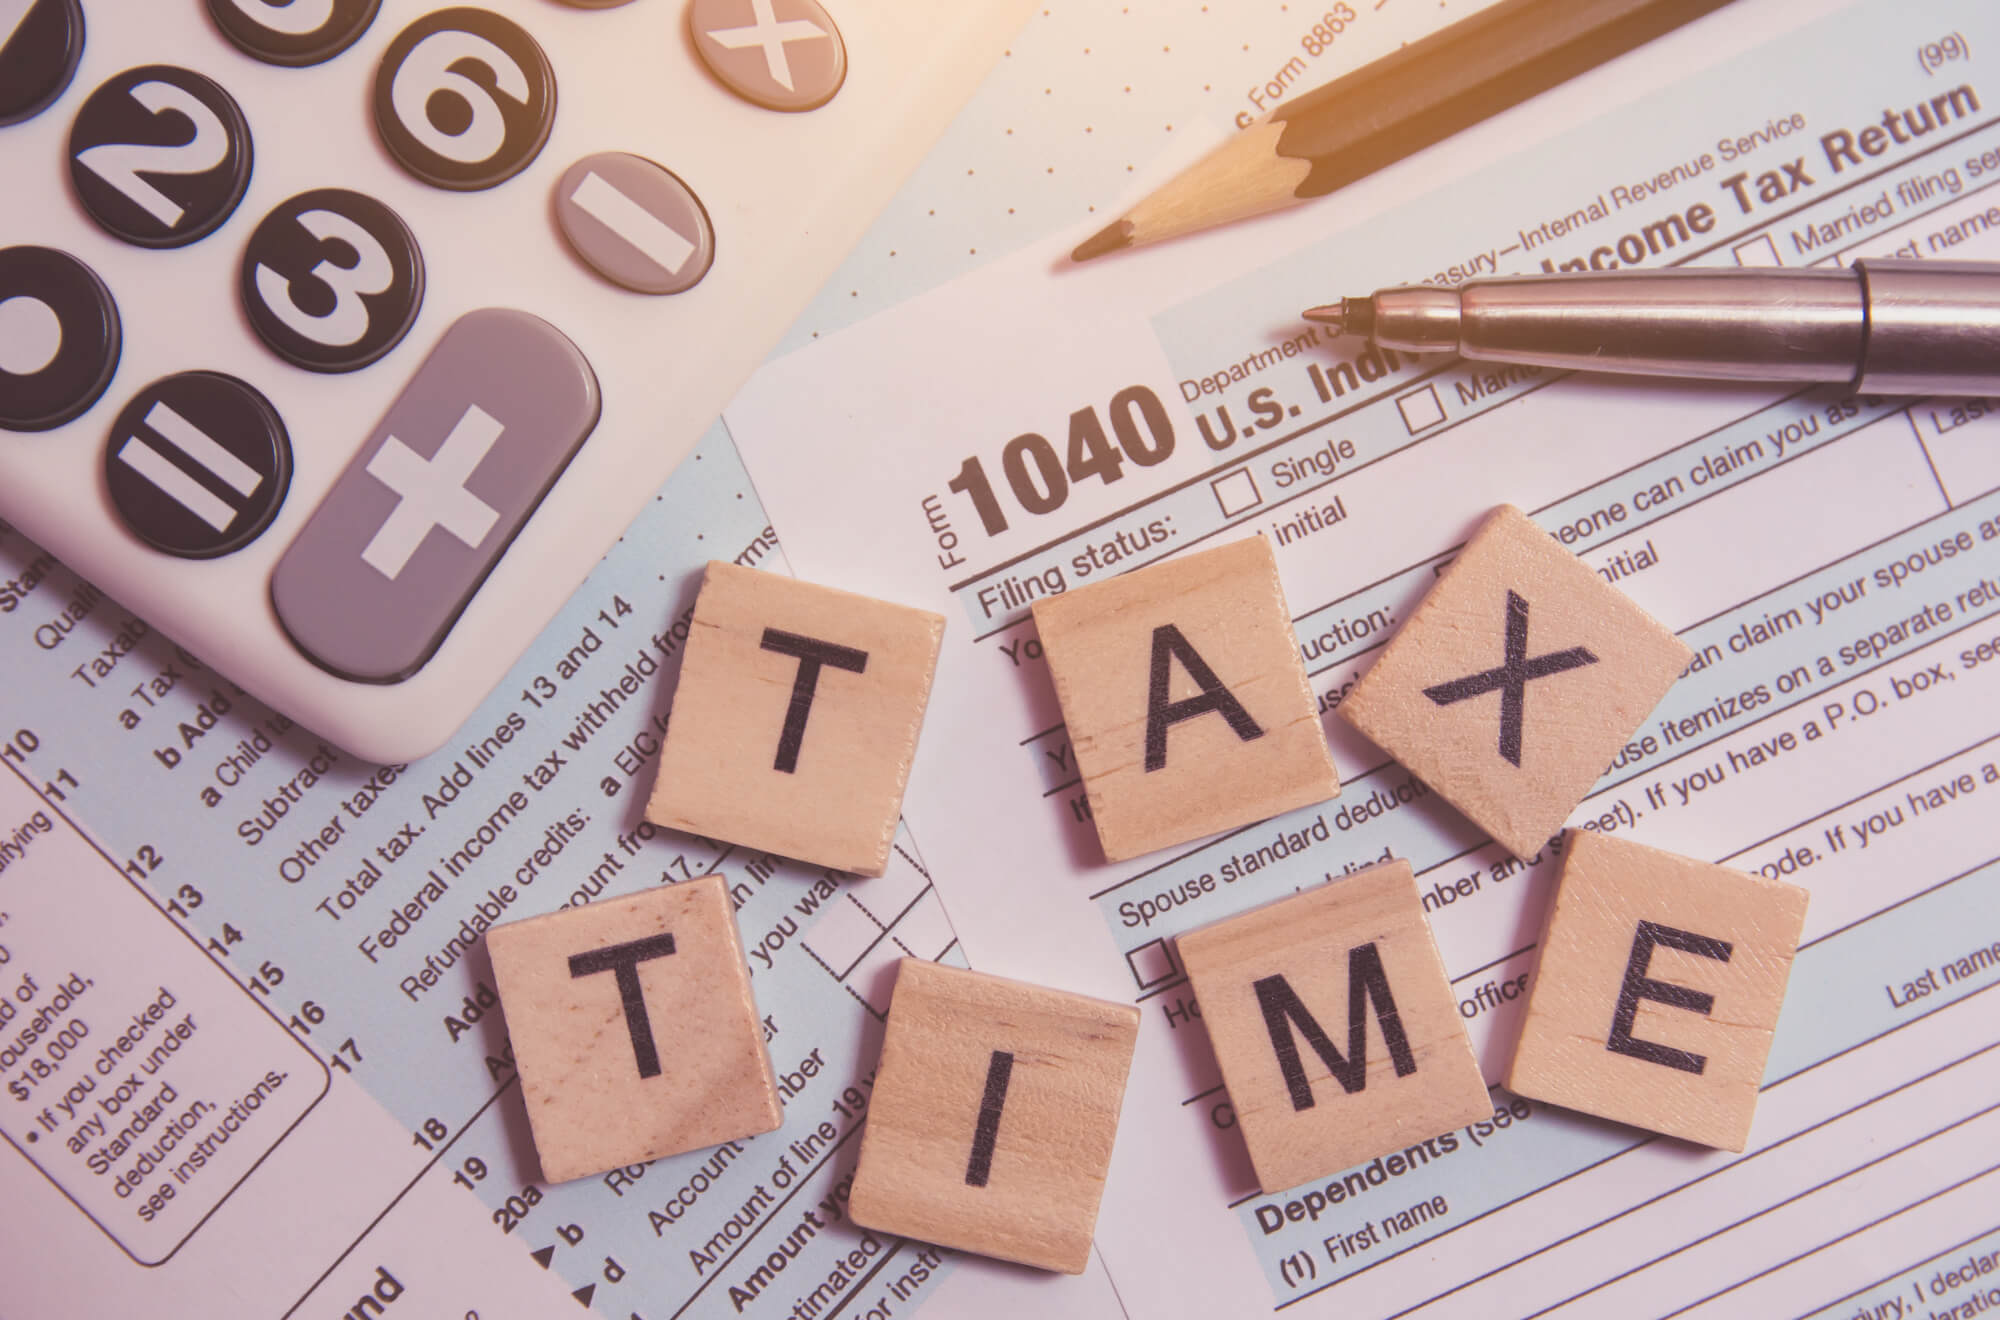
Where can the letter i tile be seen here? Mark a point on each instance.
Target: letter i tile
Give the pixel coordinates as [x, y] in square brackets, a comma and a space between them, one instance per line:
[993, 1113]
[1185, 697]
[1335, 1026]
[634, 1028]
[796, 718]
[1658, 990]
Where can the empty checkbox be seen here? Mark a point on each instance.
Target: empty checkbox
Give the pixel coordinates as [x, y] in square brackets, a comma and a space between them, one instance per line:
[1421, 409]
[1758, 252]
[1152, 963]
[1236, 492]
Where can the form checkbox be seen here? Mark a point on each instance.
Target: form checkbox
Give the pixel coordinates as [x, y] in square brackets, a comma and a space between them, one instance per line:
[1758, 252]
[1421, 409]
[1152, 963]
[1236, 492]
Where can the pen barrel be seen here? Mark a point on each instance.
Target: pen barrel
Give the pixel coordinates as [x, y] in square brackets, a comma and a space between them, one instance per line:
[1933, 327]
[1733, 324]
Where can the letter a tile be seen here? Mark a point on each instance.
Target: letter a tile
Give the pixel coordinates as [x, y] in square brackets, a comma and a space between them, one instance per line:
[1658, 989]
[1185, 698]
[634, 1029]
[1335, 1026]
[796, 718]
[991, 1122]
[1516, 682]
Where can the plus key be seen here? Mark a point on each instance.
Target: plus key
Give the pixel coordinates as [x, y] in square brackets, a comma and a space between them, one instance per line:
[423, 514]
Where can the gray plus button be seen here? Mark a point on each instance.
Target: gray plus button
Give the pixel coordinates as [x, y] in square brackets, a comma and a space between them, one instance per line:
[394, 553]
[431, 492]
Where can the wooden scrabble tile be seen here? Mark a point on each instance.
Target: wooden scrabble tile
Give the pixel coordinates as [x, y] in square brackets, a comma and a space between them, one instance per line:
[990, 1125]
[1185, 697]
[1336, 1028]
[634, 1029]
[796, 718]
[1658, 988]
[1516, 681]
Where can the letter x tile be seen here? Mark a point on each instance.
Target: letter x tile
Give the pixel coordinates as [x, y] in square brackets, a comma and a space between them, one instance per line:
[992, 1117]
[1658, 989]
[796, 718]
[1335, 1026]
[1185, 698]
[634, 1028]
[1516, 681]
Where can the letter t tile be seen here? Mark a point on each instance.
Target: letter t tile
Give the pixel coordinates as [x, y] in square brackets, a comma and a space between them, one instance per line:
[796, 718]
[634, 1029]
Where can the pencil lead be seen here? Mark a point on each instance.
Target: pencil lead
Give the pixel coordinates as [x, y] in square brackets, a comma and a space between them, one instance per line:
[1111, 238]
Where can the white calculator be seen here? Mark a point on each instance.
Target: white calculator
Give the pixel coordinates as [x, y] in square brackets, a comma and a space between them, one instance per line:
[339, 339]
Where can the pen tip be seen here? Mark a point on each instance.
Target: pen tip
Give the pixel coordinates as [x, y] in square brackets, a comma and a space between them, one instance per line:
[1349, 316]
[1111, 238]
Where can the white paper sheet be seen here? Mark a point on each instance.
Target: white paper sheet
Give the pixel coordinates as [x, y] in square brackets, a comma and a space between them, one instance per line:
[1834, 562]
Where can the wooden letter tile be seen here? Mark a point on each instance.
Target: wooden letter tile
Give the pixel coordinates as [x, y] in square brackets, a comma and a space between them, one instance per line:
[990, 1125]
[1337, 1031]
[1658, 989]
[1185, 697]
[634, 1029]
[1516, 681]
[796, 718]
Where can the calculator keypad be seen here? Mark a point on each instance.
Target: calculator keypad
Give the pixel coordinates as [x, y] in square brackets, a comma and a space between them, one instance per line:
[59, 338]
[293, 33]
[387, 562]
[40, 44]
[198, 464]
[464, 99]
[414, 474]
[332, 280]
[160, 156]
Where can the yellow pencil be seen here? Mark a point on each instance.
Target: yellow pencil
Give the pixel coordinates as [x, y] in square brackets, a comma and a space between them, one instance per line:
[1423, 93]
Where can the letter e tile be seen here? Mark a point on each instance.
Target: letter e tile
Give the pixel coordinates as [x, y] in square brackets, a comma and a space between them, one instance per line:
[634, 1028]
[1185, 698]
[796, 718]
[1516, 681]
[1658, 990]
[1335, 1026]
[991, 1122]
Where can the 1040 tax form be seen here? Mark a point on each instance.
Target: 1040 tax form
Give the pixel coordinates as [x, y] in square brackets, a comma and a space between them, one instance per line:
[1832, 560]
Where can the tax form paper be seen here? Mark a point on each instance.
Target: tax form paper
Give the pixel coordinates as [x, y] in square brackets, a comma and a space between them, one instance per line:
[1832, 561]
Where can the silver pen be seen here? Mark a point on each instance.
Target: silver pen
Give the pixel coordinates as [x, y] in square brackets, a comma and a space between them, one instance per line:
[1881, 326]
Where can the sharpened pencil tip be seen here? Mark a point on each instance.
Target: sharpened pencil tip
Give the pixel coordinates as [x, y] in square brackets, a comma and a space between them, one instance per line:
[1349, 316]
[1111, 238]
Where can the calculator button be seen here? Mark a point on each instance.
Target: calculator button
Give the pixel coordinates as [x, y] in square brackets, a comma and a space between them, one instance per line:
[198, 464]
[332, 280]
[159, 156]
[464, 99]
[780, 54]
[40, 44]
[58, 338]
[388, 561]
[293, 33]
[635, 223]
